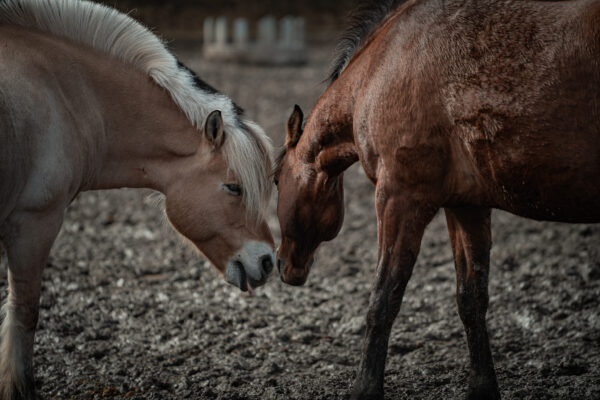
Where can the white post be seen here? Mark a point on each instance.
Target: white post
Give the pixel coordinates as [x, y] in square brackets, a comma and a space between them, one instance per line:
[221, 33]
[240, 33]
[208, 33]
[299, 40]
[267, 31]
[286, 32]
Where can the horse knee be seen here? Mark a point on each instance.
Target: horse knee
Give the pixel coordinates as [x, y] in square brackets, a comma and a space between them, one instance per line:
[472, 303]
[385, 302]
[377, 314]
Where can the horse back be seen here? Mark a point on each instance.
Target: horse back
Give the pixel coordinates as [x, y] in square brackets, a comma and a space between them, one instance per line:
[496, 102]
[528, 119]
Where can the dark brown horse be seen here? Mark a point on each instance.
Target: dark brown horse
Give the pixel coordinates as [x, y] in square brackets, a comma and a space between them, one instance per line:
[461, 105]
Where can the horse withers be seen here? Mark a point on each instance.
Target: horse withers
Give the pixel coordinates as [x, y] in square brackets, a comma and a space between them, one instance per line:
[461, 105]
[90, 99]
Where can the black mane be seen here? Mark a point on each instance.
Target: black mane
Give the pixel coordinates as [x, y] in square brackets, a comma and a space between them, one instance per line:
[202, 85]
[363, 20]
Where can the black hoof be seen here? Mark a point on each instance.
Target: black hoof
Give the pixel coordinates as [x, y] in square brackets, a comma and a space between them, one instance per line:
[483, 392]
[366, 393]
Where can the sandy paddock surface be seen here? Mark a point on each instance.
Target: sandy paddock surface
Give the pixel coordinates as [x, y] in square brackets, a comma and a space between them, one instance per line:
[128, 311]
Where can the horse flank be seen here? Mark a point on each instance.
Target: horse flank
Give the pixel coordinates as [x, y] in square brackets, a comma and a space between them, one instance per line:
[247, 149]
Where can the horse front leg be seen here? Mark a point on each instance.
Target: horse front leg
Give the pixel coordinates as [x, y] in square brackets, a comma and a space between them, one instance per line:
[471, 238]
[401, 223]
[27, 244]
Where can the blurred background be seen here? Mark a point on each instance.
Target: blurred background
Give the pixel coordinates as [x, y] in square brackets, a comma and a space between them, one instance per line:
[266, 88]
[181, 19]
[127, 311]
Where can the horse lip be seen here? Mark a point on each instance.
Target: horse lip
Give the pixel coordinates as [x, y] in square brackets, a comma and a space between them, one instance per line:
[294, 276]
[235, 274]
[295, 280]
[254, 283]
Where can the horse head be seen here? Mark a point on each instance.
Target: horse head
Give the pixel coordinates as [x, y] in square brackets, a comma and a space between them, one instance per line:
[207, 204]
[310, 205]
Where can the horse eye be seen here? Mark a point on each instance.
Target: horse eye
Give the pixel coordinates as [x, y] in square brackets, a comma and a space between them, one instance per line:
[276, 182]
[233, 189]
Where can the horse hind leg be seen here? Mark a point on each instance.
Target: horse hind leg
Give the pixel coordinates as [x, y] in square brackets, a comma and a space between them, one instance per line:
[27, 254]
[471, 238]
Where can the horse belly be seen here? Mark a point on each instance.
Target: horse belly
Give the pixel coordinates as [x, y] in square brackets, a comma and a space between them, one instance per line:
[559, 185]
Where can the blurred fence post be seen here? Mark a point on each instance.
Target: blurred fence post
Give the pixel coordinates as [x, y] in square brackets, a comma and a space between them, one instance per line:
[286, 32]
[240, 33]
[208, 33]
[221, 33]
[276, 43]
[267, 31]
[299, 39]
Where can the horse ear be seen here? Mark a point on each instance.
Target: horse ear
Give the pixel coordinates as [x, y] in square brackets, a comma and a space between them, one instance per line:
[213, 129]
[294, 127]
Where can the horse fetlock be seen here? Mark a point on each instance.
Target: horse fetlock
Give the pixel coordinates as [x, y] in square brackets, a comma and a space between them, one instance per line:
[369, 381]
[472, 308]
[483, 387]
[16, 372]
[366, 390]
[17, 387]
[14, 383]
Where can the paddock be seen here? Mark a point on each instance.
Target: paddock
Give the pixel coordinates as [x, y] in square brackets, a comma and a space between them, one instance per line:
[128, 311]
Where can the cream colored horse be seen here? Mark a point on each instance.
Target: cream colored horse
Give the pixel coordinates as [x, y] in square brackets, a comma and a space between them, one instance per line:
[90, 99]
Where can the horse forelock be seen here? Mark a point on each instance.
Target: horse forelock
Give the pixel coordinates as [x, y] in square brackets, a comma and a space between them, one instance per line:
[362, 21]
[247, 150]
[248, 153]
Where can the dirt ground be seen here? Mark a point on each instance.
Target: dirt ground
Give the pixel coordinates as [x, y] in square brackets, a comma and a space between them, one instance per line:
[128, 311]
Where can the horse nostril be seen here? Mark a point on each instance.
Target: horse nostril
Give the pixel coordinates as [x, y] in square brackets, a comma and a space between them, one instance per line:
[280, 264]
[267, 264]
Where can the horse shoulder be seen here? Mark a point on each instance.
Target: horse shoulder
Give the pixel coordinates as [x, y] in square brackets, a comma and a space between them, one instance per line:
[401, 132]
[34, 126]
[15, 163]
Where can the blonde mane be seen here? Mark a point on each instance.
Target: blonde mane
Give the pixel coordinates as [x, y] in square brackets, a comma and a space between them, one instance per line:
[247, 149]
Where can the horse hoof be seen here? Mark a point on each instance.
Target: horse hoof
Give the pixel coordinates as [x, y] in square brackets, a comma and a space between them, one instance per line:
[366, 394]
[488, 392]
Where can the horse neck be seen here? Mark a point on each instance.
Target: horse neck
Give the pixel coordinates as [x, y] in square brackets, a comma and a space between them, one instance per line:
[328, 139]
[146, 135]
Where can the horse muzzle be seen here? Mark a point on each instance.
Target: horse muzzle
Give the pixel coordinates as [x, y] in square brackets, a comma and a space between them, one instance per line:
[250, 267]
[292, 275]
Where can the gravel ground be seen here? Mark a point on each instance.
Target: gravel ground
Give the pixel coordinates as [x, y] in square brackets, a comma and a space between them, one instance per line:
[130, 311]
